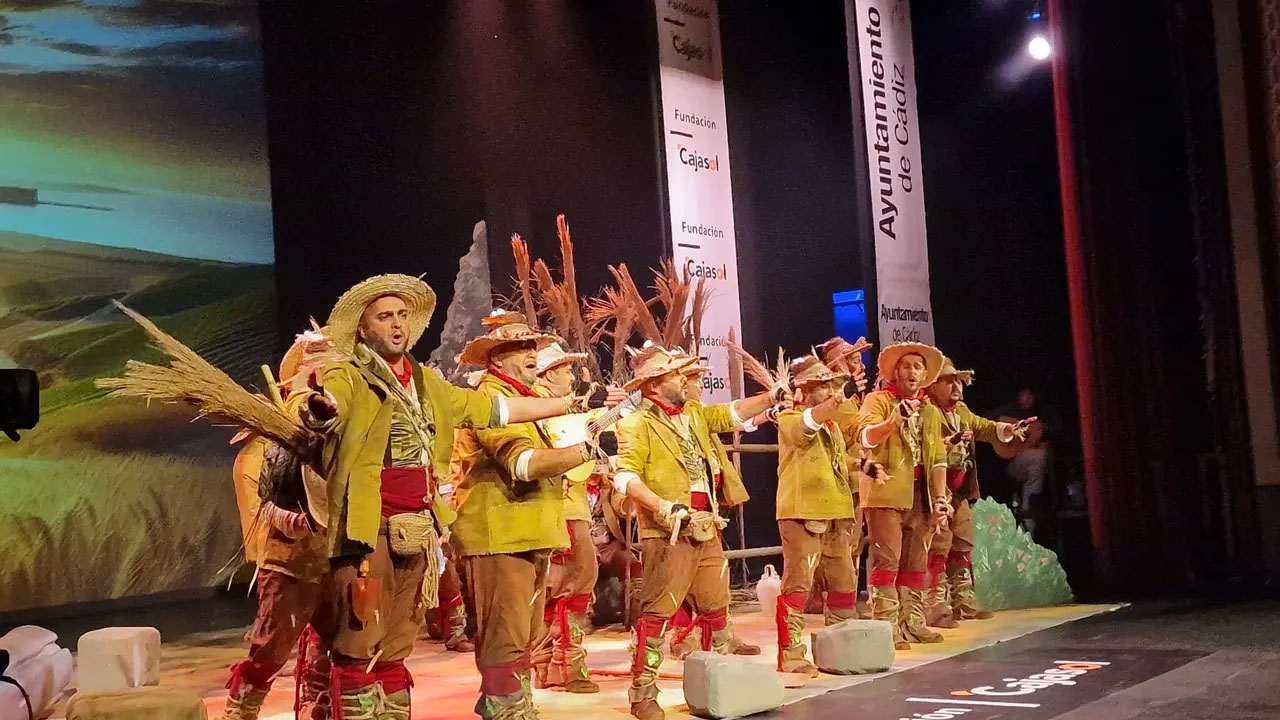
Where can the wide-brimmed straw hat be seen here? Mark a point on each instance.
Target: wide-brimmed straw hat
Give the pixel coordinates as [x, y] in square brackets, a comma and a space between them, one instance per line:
[309, 348]
[810, 370]
[505, 328]
[891, 354]
[654, 362]
[697, 367]
[838, 348]
[418, 297]
[949, 368]
[554, 356]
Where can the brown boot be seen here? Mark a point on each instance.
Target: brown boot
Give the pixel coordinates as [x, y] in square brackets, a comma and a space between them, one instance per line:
[572, 615]
[245, 704]
[793, 655]
[738, 646]
[885, 606]
[912, 617]
[937, 609]
[646, 648]
[964, 600]
[647, 709]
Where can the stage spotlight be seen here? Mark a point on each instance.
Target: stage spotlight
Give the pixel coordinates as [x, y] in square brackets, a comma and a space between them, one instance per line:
[1039, 47]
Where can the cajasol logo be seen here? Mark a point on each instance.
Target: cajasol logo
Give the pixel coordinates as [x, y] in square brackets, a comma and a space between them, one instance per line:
[1011, 693]
[703, 270]
[698, 161]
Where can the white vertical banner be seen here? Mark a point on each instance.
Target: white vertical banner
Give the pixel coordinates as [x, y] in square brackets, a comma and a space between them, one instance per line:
[887, 68]
[696, 142]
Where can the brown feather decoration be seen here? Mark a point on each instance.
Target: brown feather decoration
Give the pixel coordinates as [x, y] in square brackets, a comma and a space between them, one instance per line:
[673, 293]
[191, 379]
[520, 251]
[644, 320]
[758, 371]
[735, 367]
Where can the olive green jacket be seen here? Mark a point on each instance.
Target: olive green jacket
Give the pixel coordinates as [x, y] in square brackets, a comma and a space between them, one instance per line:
[895, 455]
[502, 515]
[356, 442]
[813, 471]
[961, 456]
[649, 447]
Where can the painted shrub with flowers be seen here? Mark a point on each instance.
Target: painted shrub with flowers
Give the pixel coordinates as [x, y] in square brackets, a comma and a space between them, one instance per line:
[1010, 569]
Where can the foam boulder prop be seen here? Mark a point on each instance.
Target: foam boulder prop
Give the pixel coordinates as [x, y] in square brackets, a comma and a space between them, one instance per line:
[37, 664]
[718, 686]
[1010, 570]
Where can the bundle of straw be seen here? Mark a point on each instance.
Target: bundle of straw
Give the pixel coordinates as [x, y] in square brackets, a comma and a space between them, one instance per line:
[190, 379]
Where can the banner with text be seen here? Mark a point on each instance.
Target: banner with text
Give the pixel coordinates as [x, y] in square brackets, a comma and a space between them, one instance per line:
[697, 160]
[892, 127]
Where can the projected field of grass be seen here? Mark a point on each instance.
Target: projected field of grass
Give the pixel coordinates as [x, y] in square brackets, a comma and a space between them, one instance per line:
[109, 498]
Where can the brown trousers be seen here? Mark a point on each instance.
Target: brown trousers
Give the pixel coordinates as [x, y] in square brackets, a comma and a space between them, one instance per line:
[697, 570]
[574, 572]
[827, 559]
[900, 544]
[285, 606]
[510, 597]
[400, 612]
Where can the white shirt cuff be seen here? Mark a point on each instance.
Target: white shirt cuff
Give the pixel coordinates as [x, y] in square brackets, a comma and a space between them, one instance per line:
[733, 413]
[522, 465]
[749, 426]
[1004, 432]
[939, 465]
[810, 425]
[622, 480]
[866, 442]
[504, 412]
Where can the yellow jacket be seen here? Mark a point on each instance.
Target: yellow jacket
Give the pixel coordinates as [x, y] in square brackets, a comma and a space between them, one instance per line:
[500, 515]
[813, 471]
[357, 443]
[649, 448]
[962, 456]
[895, 454]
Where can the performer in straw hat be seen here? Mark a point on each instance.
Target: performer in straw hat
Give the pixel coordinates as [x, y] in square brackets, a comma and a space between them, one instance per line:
[903, 511]
[817, 518]
[950, 564]
[388, 425]
[512, 519]
[665, 469]
[281, 509]
[560, 660]
[685, 631]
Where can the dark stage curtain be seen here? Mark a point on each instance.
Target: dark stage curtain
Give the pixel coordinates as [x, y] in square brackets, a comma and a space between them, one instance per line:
[1152, 293]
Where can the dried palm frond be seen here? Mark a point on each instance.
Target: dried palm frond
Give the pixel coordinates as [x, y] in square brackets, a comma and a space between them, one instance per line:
[758, 371]
[644, 320]
[578, 327]
[524, 280]
[735, 367]
[190, 379]
[673, 292]
[698, 306]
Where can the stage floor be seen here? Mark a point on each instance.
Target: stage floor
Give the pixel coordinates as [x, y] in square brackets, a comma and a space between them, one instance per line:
[446, 683]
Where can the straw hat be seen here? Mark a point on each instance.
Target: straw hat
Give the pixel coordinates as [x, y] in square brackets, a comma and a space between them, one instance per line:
[949, 368]
[653, 362]
[309, 348]
[891, 354]
[699, 365]
[505, 328]
[838, 348]
[344, 319]
[809, 370]
[553, 356]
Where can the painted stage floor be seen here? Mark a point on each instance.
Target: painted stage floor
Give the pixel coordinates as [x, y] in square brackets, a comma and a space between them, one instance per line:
[446, 683]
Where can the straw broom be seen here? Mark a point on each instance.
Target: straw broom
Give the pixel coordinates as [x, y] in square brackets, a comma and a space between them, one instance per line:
[190, 379]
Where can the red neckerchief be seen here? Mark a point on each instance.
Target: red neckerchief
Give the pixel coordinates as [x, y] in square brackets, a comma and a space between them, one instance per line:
[519, 386]
[406, 376]
[898, 393]
[668, 409]
[948, 408]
